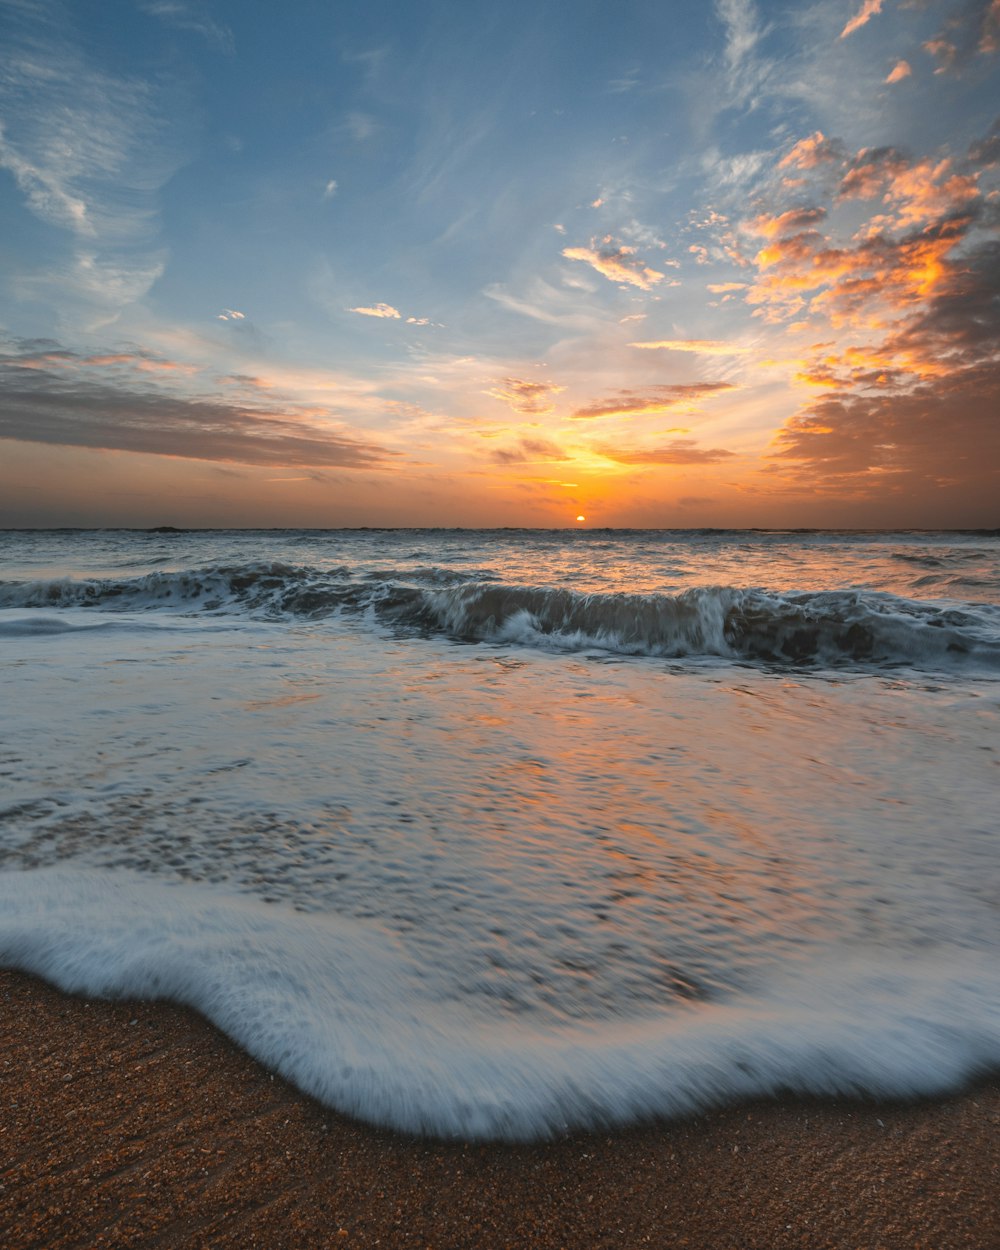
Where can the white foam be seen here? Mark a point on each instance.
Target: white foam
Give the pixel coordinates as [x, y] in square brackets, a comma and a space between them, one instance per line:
[341, 1010]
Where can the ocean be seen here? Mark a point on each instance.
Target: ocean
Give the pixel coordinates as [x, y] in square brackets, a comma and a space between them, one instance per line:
[501, 834]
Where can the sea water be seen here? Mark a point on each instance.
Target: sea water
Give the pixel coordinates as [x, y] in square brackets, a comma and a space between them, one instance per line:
[506, 833]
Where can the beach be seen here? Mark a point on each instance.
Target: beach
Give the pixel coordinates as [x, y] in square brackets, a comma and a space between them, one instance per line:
[137, 1124]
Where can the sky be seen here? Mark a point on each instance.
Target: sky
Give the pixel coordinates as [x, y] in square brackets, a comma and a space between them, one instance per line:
[449, 263]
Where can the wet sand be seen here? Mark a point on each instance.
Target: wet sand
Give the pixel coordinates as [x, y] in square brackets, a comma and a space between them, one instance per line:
[138, 1124]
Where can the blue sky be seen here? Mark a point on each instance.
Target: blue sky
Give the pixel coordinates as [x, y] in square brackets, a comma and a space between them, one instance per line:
[442, 263]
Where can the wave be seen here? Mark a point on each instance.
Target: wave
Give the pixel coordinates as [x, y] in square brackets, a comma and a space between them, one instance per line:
[342, 1012]
[838, 627]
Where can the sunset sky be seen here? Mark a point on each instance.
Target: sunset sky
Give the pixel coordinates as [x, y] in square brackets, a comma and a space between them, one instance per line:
[434, 262]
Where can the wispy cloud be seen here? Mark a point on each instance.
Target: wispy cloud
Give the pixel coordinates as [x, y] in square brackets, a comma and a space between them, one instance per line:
[89, 151]
[630, 403]
[899, 71]
[529, 450]
[532, 398]
[678, 451]
[746, 71]
[55, 396]
[704, 347]
[191, 17]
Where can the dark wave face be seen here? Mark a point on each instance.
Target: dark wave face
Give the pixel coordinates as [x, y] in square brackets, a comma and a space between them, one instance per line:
[822, 628]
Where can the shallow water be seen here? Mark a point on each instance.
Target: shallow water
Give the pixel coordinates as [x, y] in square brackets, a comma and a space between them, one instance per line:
[583, 857]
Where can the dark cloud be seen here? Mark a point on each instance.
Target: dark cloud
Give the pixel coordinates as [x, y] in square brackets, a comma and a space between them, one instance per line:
[529, 449]
[679, 451]
[986, 151]
[46, 400]
[868, 172]
[942, 435]
[936, 430]
[971, 30]
[655, 399]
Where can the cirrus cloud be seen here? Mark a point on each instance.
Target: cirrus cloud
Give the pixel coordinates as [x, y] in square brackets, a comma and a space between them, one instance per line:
[627, 403]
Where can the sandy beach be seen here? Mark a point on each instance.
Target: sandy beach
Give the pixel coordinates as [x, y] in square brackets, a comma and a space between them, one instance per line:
[137, 1124]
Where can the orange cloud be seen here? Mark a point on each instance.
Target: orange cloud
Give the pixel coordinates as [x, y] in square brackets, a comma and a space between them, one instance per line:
[864, 15]
[378, 310]
[899, 71]
[617, 262]
[526, 397]
[705, 347]
[811, 152]
[527, 450]
[909, 407]
[679, 451]
[658, 399]
[790, 222]
[869, 172]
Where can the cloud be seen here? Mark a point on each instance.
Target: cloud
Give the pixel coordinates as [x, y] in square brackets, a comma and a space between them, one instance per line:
[378, 310]
[722, 288]
[890, 264]
[360, 126]
[942, 435]
[867, 174]
[616, 261]
[188, 17]
[705, 347]
[899, 71]
[231, 314]
[746, 72]
[986, 151]
[740, 21]
[864, 15]
[330, 190]
[972, 29]
[528, 397]
[809, 153]
[529, 450]
[543, 302]
[628, 403]
[794, 221]
[54, 396]
[679, 451]
[910, 398]
[89, 151]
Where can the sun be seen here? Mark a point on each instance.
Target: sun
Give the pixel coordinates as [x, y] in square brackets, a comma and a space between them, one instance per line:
[581, 518]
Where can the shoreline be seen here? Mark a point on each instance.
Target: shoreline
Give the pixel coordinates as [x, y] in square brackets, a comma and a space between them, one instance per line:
[138, 1124]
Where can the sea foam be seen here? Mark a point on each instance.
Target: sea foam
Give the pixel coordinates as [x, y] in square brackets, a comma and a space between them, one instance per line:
[341, 1011]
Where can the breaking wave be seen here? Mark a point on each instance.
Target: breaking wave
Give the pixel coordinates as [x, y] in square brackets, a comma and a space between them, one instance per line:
[830, 627]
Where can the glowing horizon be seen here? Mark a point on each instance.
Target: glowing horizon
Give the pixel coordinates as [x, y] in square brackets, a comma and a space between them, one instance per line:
[421, 268]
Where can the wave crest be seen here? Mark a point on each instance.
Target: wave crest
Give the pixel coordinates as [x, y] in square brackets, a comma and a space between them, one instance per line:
[802, 627]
